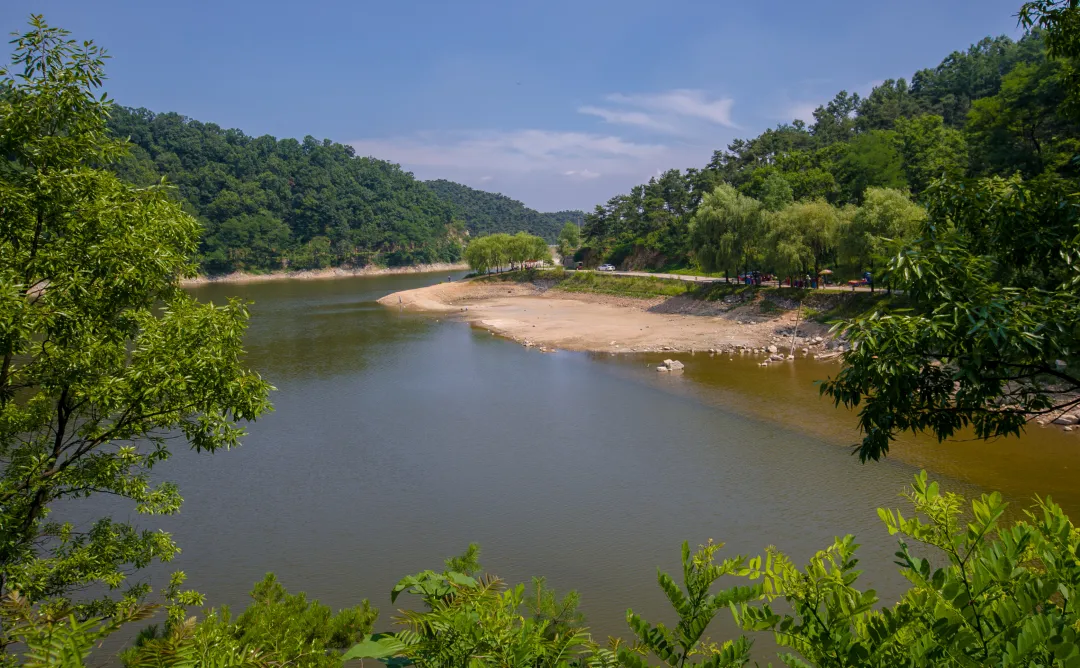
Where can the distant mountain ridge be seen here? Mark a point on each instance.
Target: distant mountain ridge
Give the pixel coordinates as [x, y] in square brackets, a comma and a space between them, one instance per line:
[489, 213]
[270, 204]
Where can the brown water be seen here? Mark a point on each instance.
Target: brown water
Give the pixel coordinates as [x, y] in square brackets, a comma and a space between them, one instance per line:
[398, 438]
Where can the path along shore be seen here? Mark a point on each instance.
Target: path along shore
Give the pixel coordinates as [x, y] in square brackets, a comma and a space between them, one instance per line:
[549, 318]
[322, 274]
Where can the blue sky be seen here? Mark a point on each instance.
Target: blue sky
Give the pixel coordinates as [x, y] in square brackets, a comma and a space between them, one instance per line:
[560, 104]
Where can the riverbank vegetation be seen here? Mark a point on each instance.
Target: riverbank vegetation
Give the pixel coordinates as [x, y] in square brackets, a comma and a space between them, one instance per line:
[106, 363]
[823, 306]
[504, 251]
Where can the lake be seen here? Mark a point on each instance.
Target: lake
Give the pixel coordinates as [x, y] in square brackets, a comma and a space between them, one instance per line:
[399, 438]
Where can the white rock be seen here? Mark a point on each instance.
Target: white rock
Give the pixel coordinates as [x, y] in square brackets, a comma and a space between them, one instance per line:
[661, 368]
[1066, 419]
[772, 349]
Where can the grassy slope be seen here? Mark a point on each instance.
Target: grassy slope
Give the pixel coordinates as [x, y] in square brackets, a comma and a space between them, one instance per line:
[822, 306]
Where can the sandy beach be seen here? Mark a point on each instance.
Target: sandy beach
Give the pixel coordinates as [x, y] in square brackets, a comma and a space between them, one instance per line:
[321, 274]
[554, 319]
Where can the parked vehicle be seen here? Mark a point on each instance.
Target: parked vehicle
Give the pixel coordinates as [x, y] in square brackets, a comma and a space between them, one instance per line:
[606, 267]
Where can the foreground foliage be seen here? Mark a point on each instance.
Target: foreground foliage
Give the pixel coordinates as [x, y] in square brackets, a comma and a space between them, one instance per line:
[103, 359]
[999, 594]
[984, 591]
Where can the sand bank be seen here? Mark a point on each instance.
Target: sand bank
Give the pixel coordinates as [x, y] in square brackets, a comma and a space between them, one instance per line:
[320, 274]
[533, 315]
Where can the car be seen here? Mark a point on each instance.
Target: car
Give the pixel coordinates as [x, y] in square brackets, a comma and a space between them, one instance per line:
[606, 267]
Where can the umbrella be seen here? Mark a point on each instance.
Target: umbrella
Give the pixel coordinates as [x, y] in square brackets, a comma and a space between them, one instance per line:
[825, 271]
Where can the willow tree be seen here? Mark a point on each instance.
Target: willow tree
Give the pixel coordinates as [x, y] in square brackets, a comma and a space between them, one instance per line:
[886, 217]
[104, 360]
[803, 236]
[494, 250]
[726, 230]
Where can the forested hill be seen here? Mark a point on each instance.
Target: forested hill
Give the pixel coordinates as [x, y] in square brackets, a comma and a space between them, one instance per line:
[489, 213]
[1000, 108]
[269, 204]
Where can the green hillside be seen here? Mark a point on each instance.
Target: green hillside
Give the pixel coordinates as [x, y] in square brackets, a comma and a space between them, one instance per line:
[269, 204]
[491, 213]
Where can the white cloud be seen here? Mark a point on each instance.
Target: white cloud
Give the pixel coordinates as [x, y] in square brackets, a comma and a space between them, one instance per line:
[553, 170]
[636, 118]
[546, 169]
[583, 174]
[683, 102]
[519, 151]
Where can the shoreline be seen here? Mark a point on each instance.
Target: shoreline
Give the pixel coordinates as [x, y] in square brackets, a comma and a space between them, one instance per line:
[545, 317]
[321, 274]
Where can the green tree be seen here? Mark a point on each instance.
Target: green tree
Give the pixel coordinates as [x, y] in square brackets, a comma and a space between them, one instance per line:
[931, 151]
[103, 359]
[726, 230]
[990, 337]
[478, 622]
[890, 100]
[886, 218]
[1021, 128]
[696, 606]
[802, 237]
[497, 250]
[776, 193]
[277, 628]
[569, 239]
[1003, 595]
[871, 159]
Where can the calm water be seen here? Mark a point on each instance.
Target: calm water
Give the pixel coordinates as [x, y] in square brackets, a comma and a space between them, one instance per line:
[398, 438]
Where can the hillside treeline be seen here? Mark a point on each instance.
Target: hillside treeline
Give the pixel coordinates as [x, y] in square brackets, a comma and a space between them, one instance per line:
[493, 213]
[272, 204]
[998, 109]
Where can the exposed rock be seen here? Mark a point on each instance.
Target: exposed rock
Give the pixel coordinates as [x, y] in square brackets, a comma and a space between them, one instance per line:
[1066, 419]
[772, 349]
[661, 368]
[673, 365]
